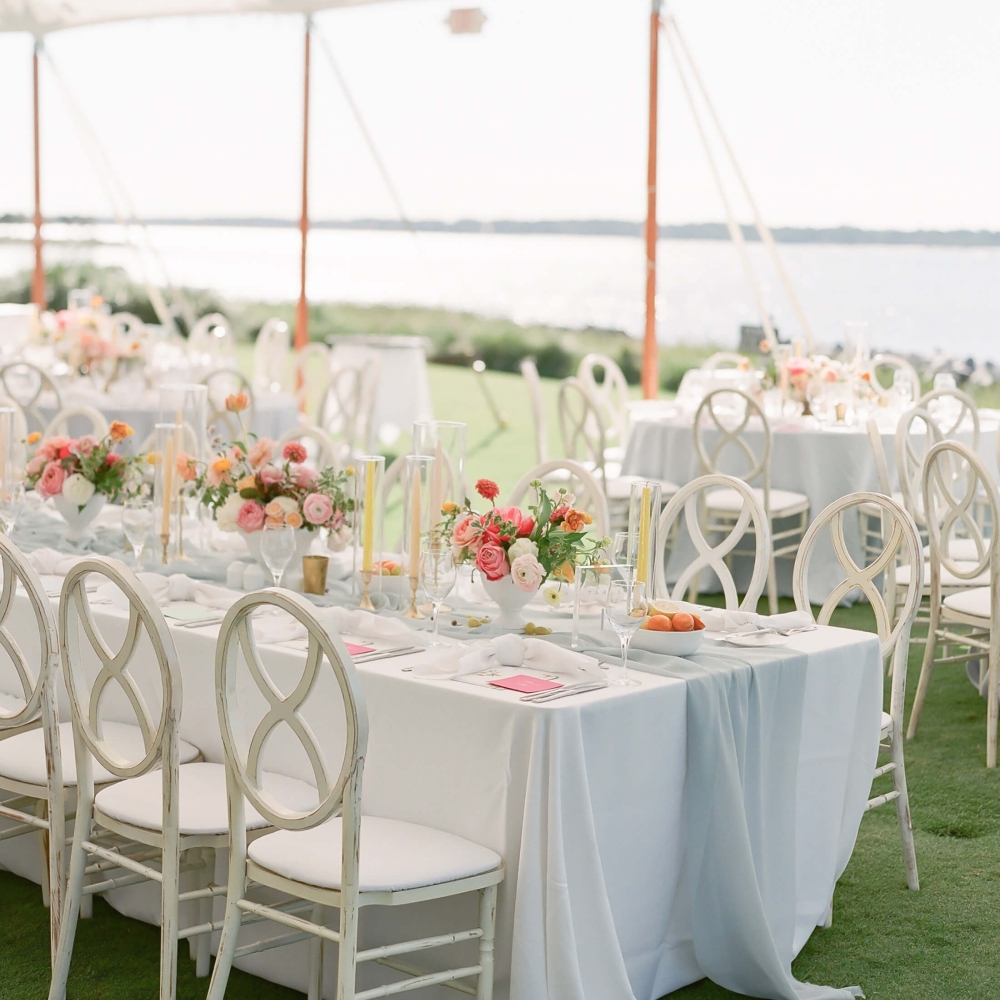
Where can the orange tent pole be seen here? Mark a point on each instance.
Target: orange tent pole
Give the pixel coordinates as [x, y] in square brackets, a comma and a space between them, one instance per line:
[38, 278]
[650, 362]
[302, 311]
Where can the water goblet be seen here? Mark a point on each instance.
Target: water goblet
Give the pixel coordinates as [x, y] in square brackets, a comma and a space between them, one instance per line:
[137, 521]
[438, 574]
[277, 546]
[12, 502]
[626, 610]
[902, 388]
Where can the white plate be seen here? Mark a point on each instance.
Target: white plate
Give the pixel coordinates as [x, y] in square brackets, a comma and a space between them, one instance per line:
[670, 643]
[756, 639]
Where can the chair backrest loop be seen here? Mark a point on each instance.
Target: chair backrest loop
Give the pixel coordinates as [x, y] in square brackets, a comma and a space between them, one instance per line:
[588, 493]
[726, 413]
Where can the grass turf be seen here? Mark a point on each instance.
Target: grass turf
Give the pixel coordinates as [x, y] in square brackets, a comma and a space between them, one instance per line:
[935, 944]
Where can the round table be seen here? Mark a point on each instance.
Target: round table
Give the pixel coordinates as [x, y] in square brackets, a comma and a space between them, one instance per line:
[823, 462]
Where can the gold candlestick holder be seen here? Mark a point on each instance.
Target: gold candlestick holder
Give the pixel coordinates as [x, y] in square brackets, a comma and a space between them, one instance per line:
[413, 611]
[165, 539]
[366, 595]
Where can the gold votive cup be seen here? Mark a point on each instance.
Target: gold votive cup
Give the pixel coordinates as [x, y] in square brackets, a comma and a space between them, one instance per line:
[314, 570]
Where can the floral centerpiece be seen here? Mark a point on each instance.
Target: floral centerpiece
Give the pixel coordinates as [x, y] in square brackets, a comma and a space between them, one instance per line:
[81, 474]
[517, 550]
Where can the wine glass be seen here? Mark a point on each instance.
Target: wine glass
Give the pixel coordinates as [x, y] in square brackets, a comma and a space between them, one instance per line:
[626, 610]
[137, 520]
[438, 574]
[12, 502]
[902, 387]
[277, 546]
[619, 548]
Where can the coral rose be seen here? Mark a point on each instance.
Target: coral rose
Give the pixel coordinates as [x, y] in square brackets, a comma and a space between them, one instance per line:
[576, 520]
[492, 561]
[317, 508]
[294, 451]
[119, 430]
[559, 513]
[50, 483]
[112, 458]
[271, 475]
[487, 489]
[465, 535]
[250, 516]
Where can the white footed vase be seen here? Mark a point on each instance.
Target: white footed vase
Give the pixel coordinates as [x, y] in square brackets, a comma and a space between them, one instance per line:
[510, 599]
[78, 519]
[292, 577]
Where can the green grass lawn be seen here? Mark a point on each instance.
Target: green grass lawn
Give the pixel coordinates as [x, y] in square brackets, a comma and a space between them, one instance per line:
[936, 944]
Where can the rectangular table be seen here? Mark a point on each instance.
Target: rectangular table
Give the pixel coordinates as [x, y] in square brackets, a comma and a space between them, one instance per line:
[583, 799]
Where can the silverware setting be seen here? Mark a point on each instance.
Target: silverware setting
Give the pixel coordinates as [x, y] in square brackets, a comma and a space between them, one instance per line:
[386, 654]
[787, 631]
[554, 694]
[201, 622]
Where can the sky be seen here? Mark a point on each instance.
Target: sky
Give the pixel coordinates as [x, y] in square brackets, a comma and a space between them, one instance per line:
[881, 115]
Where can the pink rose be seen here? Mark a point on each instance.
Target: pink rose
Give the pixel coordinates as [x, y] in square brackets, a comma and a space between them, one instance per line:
[250, 516]
[294, 451]
[51, 483]
[85, 446]
[337, 521]
[271, 475]
[492, 561]
[261, 452]
[464, 535]
[317, 508]
[304, 477]
[46, 452]
[35, 466]
[57, 442]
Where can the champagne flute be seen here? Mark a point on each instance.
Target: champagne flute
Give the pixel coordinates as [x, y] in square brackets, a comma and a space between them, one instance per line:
[277, 546]
[12, 502]
[626, 609]
[137, 520]
[438, 574]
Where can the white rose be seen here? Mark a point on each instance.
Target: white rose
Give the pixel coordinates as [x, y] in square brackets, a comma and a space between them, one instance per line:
[287, 504]
[77, 489]
[522, 547]
[225, 516]
[527, 571]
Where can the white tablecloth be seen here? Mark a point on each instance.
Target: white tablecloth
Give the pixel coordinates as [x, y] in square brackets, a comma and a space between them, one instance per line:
[583, 799]
[822, 463]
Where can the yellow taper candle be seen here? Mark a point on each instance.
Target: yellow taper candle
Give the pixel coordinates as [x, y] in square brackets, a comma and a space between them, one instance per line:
[369, 529]
[415, 525]
[168, 485]
[642, 556]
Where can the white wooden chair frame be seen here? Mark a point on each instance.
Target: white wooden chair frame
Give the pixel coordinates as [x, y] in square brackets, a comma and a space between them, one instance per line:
[220, 420]
[578, 480]
[723, 359]
[201, 340]
[326, 447]
[893, 630]
[534, 386]
[129, 847]
[947, 511]
[691, 500]
[895, 363]
[30, 406]
[310, 386]
[966, 407]
[871, 515]
[784, 543]
[37, 809]
[347, 407]
[612, 391]
[271, 352]
[60, 422]
[335, 794]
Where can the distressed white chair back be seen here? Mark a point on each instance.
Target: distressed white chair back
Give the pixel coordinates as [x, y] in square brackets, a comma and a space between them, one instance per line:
[916, 434]
[726, 414]
[894, 363]
[26, 384]
[125, 326]
[337, 782]
[690, 500]
[577, 480]
[157, 675]
[348, 405]
[723, 359]
[953, 411]
[222, 383]
[212, 335]
[878, 453]
[612, 391]
[537, 401]
[312, 377]
[270, 355]
[95, 422]
[320, 447]
[581, 425]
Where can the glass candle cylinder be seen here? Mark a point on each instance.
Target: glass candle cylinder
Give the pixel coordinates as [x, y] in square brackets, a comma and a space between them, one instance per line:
[445, 441]
[11, 467]
[167, 499]
[418, 472]
[368, 473]
[643, 522]
[186, 403]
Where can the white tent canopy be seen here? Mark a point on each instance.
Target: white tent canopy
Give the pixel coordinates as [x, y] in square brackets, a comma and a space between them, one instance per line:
[39, 17]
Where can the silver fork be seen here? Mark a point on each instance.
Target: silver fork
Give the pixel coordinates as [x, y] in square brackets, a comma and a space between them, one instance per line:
[564, 692]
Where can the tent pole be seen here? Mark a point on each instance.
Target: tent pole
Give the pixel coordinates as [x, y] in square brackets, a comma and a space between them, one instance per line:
[302, 312]
[38, 277]
[650, 363]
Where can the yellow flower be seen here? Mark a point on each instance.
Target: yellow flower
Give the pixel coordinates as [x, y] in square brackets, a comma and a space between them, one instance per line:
[152, 458]
[349, 471]
[237, 402]
[449, 507]
[552, 596]
[34, 437]
[221, 465]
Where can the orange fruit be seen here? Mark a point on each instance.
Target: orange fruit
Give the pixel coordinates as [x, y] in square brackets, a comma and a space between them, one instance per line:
[659, 623]
[683, 622]
[698, 623]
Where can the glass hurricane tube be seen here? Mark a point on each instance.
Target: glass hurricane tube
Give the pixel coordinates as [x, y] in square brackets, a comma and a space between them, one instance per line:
[369, 471]
[643, 524]
[167, 502]
[418, 471]
[445, 441]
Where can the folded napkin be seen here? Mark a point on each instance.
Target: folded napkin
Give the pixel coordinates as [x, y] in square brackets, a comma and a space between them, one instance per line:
[180, 587]
[720, 620]
[49, 562]
[509, 650]
[277, 627]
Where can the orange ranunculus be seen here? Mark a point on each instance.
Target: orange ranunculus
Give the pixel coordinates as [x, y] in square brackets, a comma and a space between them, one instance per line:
[566, 572]
[34, 437]
[221, 465]
[237, 402]
[119, 430]
[576, 520]
[246, 483]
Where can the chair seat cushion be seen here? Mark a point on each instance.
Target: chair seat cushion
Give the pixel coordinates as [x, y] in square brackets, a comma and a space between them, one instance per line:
[783, 502]
[947, 579]
[620, 488]
[22, 758]
[11, 704]
[970, 602]
[886, 723]
[394, 855]
[204, 806]
[960, 548]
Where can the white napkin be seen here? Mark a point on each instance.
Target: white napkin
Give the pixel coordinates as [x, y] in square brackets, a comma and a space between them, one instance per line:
[278, 627]
[49, 562]
[719, 620]
[180, 587]
[509, 650]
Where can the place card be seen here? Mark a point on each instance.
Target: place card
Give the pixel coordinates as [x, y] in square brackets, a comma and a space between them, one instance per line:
[356, 650]
[524, 684]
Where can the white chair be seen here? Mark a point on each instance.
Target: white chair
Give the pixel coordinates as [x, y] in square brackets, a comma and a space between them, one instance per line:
[321, 449]
[534, 386]
[27, 385]
[327, 854]
[952, 411]
[223, 383]
[312, 376]
[955, 481]
[901, 541]
[576, 480]
[725, 359]
[612, 392]
[159, 807]
[211, 336]
[871, 514]
[270, 355]
[727, 413]
[126, 326]
[894, 363]
[689, 500]
[31, 772]
[347, 408]
[95, 422]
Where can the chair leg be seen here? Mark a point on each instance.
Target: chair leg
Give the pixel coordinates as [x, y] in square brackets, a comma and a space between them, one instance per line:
[230, 928]
[487, 921]
[169, 890]
[772, 586]
[992, 709]
[828, 917]
[930, 651]
[903, 812]
[41, 810]
[347, 966]
[316, 957]
[203, 942]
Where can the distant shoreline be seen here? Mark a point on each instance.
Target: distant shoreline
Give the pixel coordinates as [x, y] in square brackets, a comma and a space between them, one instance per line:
[840, 235]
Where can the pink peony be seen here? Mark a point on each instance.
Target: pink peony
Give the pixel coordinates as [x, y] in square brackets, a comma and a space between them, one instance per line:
[271, 475]
[523, 525]
[304, 477]
[464, 534]
[35, 466]
[56, 443]
[261, 452]
[250, 516]
[51, 482]
[294, 451]
[85, 446]
[317, 508]
[492, 561]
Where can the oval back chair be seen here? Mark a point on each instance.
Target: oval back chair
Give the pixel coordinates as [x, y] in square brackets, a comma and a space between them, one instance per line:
[26, 384]
[529, 371]
[894, 363]
[911, 449]
[312, 376]
[212, 335]
[950, 409]
[582, 426]
[575, 479]
[97, 423]
[612, 391]
[321, 449]
[271, 352]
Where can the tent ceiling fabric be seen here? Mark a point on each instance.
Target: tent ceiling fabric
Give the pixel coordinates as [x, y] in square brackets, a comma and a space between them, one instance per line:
[39, 17]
